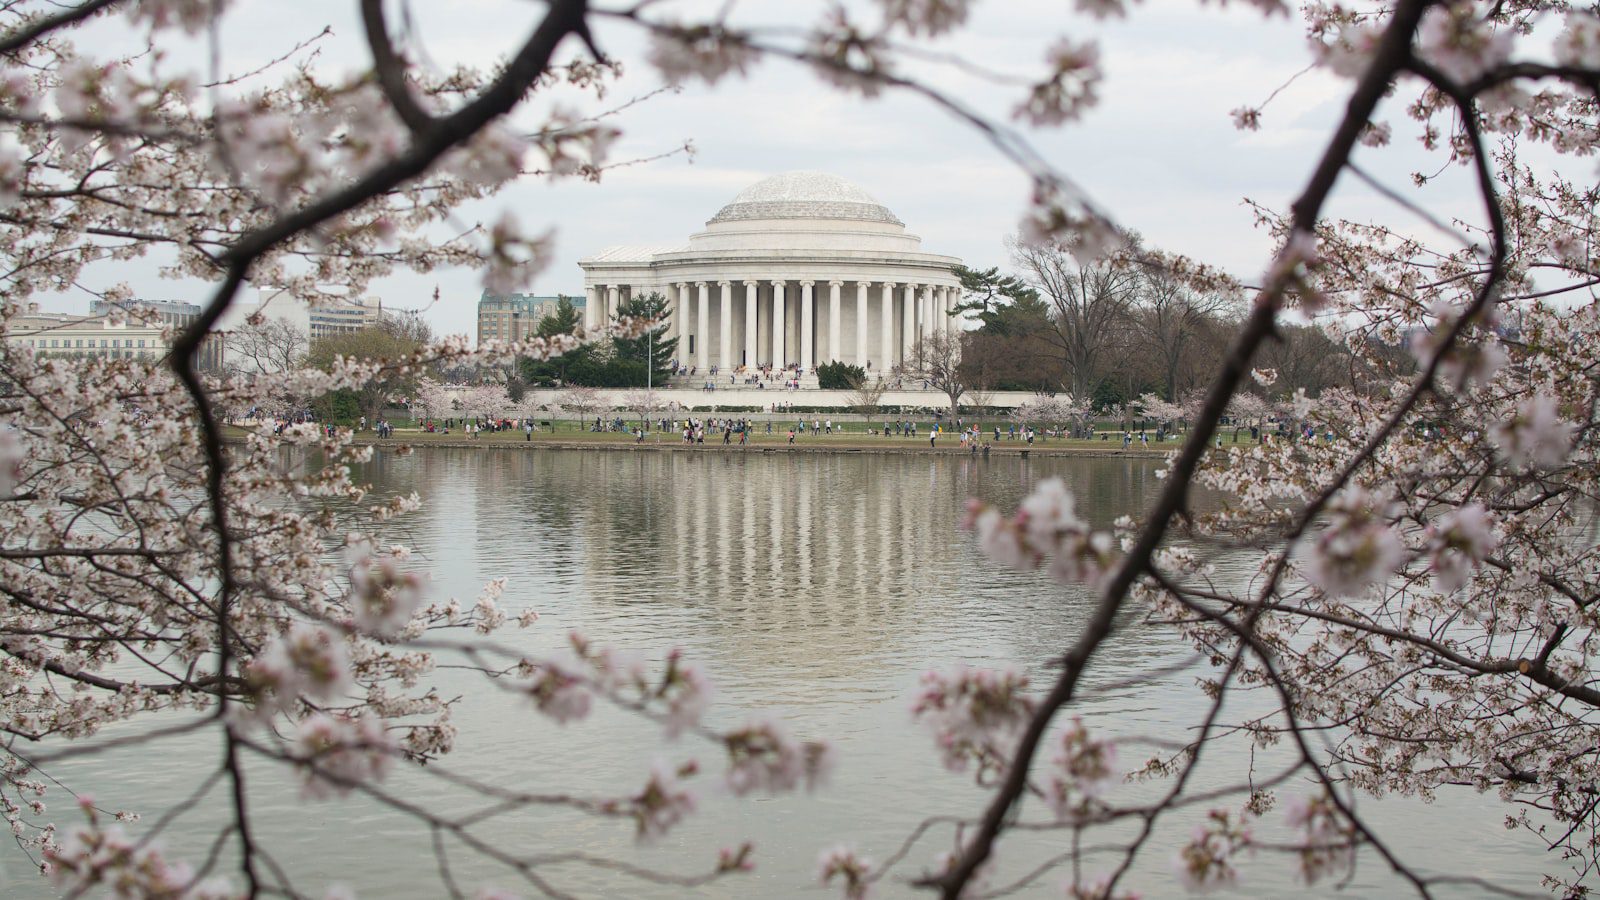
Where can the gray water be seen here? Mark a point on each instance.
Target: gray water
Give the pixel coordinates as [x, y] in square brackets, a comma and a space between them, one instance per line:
[816, 588]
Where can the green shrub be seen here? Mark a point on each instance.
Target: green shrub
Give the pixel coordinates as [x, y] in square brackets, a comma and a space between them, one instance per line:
[838, 376]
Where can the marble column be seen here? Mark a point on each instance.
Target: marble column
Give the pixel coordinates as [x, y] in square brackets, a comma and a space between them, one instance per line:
[886, 362]
[685, 322]
[725, 327]
[777, 324]
[834, 324]
[702, 330]
[591, 305]
[929, 324]
[861, 323]
[613, 301]
[750, 288]
[908, 337]
[670, 292]
[808, 323]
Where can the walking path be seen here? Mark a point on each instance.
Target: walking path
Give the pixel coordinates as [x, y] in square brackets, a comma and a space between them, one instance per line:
[777, 442]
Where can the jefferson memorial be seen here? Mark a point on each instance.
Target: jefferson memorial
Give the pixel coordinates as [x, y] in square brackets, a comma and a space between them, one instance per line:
[799, 269]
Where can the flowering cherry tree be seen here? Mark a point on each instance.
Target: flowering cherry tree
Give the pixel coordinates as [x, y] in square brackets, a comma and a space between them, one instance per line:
[1425, 601]
[1163, 411]
[1053, 409]
[581, 401]
[483, 400]
[432, 400]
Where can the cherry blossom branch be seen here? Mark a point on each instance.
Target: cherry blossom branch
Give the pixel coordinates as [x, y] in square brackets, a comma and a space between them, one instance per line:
[1391, 56]
[26, 35]
[390, 68]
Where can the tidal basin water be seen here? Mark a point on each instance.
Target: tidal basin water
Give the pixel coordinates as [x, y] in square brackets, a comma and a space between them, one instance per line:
[814, 588]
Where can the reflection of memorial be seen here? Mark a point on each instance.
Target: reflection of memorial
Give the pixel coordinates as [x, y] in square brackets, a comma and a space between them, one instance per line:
[760, 548]
[801, 268]
[771, 563]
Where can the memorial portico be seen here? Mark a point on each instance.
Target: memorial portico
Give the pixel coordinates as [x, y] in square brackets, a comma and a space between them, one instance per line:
[799, 269]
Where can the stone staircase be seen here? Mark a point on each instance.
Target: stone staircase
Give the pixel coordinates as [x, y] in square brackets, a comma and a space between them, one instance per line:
[721, 379]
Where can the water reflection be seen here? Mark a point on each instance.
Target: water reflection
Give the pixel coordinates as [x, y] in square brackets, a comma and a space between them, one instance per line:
[815, 587]
[774, 563]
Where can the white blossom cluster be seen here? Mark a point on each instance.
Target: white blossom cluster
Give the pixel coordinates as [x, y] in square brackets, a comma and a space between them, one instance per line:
[975, 715]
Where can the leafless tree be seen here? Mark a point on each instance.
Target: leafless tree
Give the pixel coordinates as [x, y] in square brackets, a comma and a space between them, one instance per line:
[936, 359]
[1088, 303]
[581, 401]
[866, 395]
[1169, 318]
[643, 402]
[267, 348]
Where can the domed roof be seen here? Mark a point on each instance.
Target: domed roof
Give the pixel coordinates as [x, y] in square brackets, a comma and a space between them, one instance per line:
[804, 195]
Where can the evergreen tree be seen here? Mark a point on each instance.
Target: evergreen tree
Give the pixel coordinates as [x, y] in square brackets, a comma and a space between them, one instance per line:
[561, 369]
[565, 320]
[996, 298]
[651, 347]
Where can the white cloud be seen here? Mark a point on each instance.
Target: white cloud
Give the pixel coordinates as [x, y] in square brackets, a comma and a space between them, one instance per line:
[1160, 152]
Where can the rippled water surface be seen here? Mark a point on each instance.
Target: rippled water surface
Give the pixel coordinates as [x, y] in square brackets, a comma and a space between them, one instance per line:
[815, 588]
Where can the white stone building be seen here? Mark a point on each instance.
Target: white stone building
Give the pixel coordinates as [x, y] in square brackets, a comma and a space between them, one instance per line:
[63, 334]
[800, 269]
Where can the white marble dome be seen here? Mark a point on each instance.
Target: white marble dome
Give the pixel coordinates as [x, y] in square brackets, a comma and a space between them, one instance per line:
[804, 195]
[798, 269]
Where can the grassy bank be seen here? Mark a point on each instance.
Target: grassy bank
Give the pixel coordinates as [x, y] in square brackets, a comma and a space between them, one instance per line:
[778, 441]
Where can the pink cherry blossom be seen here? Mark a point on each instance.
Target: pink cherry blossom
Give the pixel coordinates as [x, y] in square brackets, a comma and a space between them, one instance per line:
[1070, 89]
[338, 752]
[707, 52]
[1458, 541]
[975, 714]
[662, 803]
[851, 868]
[1536, 435]
[1246, 118]
[560, 694]
[1357, 548]
[762, 756]
[1083, 769]
[1578, 44]
[383, 597]
[1457, 41]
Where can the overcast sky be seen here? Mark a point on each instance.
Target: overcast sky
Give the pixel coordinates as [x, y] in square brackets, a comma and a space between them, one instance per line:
[1159, 152]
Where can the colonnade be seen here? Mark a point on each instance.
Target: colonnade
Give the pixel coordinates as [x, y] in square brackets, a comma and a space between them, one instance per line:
[782, 322]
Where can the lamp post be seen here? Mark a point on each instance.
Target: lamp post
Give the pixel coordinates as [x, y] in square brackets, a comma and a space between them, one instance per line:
[650, 374]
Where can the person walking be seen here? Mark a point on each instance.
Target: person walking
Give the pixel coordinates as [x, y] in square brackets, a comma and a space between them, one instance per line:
[791, 435]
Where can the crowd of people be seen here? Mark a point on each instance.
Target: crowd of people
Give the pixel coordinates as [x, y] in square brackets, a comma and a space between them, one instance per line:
[474, 426]
[750, 376]
[738, 430]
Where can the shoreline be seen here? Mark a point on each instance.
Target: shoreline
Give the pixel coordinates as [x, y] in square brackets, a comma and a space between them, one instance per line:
[913, 446]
